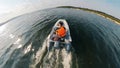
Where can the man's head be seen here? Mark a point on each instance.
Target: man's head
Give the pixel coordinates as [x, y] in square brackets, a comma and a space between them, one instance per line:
[60, 24]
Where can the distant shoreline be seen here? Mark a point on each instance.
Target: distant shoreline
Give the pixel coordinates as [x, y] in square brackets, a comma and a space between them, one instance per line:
[105, 15]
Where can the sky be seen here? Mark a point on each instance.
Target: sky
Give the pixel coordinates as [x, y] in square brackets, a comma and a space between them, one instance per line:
[17, 7]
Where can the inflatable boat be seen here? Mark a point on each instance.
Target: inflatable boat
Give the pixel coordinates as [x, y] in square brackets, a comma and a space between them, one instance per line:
[64, 42]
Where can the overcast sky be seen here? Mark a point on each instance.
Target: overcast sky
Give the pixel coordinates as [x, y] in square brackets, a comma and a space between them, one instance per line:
[21, 6]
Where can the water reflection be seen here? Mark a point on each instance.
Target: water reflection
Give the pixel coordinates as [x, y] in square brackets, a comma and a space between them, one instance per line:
[2, 28]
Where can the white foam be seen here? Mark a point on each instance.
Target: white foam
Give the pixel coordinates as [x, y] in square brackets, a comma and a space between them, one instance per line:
[17, 41]
[12, 36]
[19, 46]
[67, 58]
[28, 48]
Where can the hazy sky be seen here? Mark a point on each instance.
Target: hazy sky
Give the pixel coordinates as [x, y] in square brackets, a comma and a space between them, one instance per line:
[108, 6]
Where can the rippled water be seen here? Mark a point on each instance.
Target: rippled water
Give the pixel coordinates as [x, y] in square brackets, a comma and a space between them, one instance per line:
[96, 40]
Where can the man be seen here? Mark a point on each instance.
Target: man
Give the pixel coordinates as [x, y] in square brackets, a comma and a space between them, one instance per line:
[59, 33]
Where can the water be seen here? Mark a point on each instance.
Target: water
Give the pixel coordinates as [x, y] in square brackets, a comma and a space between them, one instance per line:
[96, 40]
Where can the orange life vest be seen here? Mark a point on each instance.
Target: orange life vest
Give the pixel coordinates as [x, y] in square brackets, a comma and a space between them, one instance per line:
[61, 31]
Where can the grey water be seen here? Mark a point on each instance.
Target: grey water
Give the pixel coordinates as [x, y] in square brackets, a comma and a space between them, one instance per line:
[96, 40]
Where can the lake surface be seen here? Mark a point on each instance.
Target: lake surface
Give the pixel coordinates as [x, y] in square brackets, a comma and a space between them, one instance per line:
[96, 40]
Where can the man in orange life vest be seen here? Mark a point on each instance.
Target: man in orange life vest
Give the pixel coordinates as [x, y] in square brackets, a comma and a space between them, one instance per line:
[59, 33]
